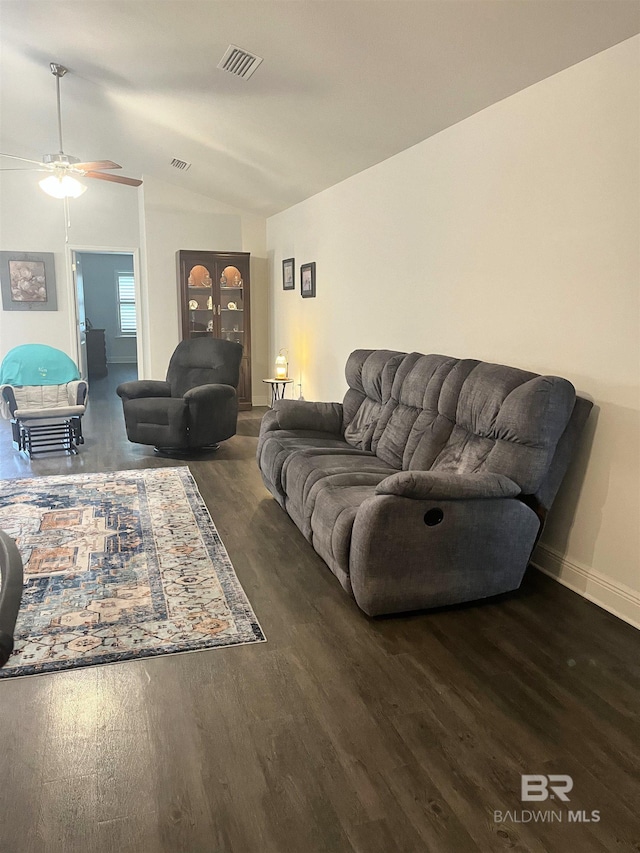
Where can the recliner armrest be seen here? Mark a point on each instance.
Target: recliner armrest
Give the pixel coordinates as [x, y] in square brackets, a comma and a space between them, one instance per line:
[212, 393]
[445, 485]
[143, 388]
[302, 414]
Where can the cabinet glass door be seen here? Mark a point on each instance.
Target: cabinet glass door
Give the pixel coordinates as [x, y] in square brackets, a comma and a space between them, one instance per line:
[232, 326]
[200, 305]
[215, 301]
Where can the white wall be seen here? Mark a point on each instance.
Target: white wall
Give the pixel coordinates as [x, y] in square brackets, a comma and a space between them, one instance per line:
[30, 221]
[175, 219]
[160, 218]
[511, 237]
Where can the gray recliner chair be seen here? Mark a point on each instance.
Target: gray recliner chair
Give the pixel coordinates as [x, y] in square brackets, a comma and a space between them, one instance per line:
[196, 407]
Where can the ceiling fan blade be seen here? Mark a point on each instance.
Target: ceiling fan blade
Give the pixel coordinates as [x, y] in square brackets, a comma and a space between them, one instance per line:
[117, 179]
[96, 164]
[24, 159]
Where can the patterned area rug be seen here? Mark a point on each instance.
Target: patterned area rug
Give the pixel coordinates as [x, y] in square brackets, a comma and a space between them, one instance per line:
[119, 566]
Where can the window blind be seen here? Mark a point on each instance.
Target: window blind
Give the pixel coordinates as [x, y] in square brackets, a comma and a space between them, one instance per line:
[126, 303]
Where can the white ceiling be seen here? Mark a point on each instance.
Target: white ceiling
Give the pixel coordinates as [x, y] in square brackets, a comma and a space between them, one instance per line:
[344, 83]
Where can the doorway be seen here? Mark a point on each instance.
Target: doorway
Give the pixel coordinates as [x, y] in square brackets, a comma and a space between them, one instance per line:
[107, 314]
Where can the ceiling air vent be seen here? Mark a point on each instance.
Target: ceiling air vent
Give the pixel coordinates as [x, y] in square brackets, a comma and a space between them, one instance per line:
[239, 62]
[180, 164]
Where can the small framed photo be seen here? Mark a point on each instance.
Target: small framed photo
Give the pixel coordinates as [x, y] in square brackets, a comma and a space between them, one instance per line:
[28, 281]
[288, 274]
[308, 280]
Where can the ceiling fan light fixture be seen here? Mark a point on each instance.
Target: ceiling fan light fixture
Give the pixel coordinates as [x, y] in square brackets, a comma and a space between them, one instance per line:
[63, 186]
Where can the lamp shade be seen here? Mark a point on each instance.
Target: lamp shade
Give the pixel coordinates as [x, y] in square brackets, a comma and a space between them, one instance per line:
[62, 186]
[282, 366]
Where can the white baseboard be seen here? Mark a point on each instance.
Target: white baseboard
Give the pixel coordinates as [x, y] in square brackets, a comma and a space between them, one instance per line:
[122, 359]
[611, 595]
[261, 401]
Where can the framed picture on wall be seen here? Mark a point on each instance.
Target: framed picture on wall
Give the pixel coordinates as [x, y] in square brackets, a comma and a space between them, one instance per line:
[28, 281]
[288, 274]
[308, 280]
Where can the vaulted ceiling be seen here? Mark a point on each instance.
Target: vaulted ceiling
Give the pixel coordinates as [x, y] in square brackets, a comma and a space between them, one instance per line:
[344, 83]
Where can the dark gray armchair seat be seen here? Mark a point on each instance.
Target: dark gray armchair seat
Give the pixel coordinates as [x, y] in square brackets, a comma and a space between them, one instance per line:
[196, 407]
[428, 485]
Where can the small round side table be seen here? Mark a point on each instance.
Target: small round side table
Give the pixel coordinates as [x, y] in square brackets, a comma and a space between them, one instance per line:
[277, 388]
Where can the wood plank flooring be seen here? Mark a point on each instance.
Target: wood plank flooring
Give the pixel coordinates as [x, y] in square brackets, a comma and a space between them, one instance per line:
[341, 733]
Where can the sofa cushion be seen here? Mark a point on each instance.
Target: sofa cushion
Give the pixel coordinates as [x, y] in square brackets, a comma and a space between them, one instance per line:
[467, 416]
[508, 421]
[336, 504]
[279, 444]
[433, 426]
[304, 473]
[415, 394]
[370, 375]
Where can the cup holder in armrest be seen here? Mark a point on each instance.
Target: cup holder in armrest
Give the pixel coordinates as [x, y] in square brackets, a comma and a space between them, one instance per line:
[433, 516]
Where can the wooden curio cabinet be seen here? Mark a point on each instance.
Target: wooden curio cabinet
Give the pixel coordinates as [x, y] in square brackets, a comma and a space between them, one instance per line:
[215, 302]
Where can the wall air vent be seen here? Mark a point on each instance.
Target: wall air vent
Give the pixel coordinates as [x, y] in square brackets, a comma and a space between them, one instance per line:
[180, 164]
[239, 62]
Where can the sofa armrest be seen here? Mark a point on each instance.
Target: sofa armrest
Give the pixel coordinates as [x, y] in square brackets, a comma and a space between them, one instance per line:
[210, 394]
[404, 556]
[269, 422]
[445, 485]
[143, 388]
[302, 414]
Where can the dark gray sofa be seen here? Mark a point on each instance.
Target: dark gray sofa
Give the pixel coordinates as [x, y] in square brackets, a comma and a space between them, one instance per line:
[428, 485]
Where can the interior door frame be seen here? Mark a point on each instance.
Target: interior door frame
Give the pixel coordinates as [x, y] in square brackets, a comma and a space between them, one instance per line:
[72, 251]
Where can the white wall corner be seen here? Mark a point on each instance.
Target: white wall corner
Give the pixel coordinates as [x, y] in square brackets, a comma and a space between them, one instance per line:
[611, 595]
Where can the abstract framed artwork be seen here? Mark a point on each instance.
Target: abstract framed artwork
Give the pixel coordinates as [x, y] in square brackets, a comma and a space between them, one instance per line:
[28, 281]
[288, 274]
[308, 280]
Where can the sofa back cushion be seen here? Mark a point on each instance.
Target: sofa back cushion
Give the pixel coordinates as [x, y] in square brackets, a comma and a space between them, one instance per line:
[370, 375]
[412, 410]
[508, 421]
[433, 426]
[462, 415]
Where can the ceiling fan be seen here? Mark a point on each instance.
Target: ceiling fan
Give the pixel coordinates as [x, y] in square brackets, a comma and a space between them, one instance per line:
[64, 168]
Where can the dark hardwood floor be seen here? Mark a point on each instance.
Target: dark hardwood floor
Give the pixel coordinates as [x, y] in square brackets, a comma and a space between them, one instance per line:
[341, 733]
